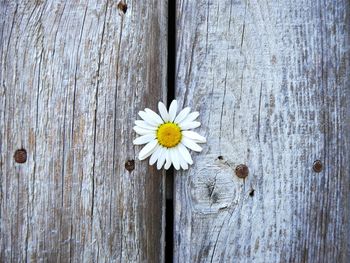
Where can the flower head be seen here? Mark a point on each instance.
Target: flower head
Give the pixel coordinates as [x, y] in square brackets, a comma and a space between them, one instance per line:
[167, 136]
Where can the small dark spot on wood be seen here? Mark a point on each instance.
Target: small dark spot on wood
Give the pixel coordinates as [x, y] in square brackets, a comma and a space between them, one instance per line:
[317, 166]
[242, 171]
[215, 197]
[223, 207]
[210, 188]
[205, 251]
[20, 156]
[211, 194]
[130, 165]
[273, 59]
[220, 157]
[122, 6]
[251, 193]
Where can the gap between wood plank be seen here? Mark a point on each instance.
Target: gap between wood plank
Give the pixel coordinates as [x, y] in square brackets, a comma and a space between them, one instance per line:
[169, 224]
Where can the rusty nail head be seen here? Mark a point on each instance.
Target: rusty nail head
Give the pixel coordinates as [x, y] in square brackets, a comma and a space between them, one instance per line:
[130, 165]
[122, 6]
[317, 166]
[20, 156]
[242, 171]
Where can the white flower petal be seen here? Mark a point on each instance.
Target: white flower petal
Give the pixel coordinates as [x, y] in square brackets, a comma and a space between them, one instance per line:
[148, 118]
[182, 161]
[191, 144]
[185, 153]
[182, 115]
[142, 131]
[183, 164]
[194, 136]
[161, 158]
[175, 158]
[189, 125]
[148, 150]
[144, 139]
[191, 117]
[154, 116]
[155, 155]
[172, 110]
[168, 160]
[163, 111]
[145, 125]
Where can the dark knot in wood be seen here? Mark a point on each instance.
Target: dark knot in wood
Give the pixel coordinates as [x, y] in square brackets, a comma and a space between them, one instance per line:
[242, 171]
[20, 156]
[317, 166]
[130, 165]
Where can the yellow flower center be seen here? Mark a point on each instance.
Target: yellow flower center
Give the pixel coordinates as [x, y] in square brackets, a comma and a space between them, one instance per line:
[169, 134]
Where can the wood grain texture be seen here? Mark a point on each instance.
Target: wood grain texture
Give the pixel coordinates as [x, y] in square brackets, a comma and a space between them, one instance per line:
[74, 74]
[272, 82]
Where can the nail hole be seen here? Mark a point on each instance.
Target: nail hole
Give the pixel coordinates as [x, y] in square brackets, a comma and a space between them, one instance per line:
[242, 171]
[20, 156]
[122, 6]
[251, 193]
[130, 165]
[317, 166]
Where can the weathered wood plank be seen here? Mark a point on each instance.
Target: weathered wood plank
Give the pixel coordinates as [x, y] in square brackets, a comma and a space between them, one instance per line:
[73, 76]
[272, 82]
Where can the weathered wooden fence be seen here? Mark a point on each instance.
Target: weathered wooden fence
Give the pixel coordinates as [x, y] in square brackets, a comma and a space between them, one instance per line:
[272, 82]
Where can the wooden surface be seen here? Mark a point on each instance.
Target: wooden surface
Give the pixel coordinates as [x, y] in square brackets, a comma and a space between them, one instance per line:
[272, 82]
[73, 77]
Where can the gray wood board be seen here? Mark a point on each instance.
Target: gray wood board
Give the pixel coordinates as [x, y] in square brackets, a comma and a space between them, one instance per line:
[73, 77]
[271, 81]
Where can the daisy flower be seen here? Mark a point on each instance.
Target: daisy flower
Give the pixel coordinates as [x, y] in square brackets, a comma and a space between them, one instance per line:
[167, 136]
